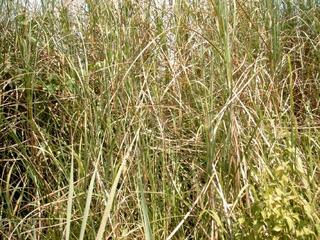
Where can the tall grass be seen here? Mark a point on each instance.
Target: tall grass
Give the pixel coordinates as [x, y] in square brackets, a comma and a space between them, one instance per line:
[198, 120]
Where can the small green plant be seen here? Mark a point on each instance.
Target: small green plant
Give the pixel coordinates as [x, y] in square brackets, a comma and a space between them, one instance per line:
[278, 211]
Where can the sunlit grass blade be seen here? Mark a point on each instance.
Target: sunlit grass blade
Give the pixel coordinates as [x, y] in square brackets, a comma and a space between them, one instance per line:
[70, 200]
[112, 194]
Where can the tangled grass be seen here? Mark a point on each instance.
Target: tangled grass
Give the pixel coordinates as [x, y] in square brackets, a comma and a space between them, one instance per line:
[199, 120]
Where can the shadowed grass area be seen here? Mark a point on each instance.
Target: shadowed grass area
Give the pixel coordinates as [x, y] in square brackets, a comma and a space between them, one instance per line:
[198, 120]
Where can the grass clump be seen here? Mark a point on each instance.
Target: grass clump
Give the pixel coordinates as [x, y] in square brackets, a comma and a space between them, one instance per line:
[129, 120]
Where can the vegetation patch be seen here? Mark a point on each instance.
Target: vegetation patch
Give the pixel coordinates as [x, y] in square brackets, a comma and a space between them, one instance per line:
[139, 120]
